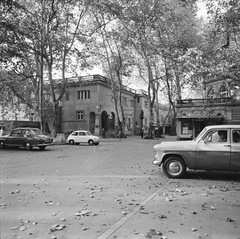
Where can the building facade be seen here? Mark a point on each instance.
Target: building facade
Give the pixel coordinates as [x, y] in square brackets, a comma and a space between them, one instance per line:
[89, 105]
[221, 105]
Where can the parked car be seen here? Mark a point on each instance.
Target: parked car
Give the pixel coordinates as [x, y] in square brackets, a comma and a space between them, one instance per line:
[83, 136]
[26, 137]
[215, 148]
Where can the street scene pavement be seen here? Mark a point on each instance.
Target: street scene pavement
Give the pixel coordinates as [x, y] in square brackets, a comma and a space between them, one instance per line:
[112, 191]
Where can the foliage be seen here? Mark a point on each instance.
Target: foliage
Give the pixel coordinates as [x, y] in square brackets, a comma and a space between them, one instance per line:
[223, 39]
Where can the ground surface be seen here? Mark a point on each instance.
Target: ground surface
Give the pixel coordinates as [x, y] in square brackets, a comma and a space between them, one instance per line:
[112, 191]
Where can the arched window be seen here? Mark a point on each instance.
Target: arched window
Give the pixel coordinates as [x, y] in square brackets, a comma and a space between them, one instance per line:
[223, 91]
[210, 93]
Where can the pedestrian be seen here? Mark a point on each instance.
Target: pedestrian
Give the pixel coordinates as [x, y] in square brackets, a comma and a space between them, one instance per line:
[141, 132]
[103, 133]
[1, 132]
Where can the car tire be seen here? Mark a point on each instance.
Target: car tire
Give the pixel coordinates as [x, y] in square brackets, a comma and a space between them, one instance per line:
[174, 167]
[71, 142]
[28, 146]
[90, 142]
[42, 147]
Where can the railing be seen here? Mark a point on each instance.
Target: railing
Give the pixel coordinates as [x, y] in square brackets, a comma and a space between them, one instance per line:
[87, 78]
[208, 101]
[94, 78]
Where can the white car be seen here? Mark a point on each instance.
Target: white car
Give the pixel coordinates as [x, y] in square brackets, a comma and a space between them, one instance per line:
[83, 136]
[217, 147]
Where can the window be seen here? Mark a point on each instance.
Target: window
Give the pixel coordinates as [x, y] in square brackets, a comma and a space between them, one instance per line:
[145, 104]
[223, 91]
[80, 115]
[210, 93]
[83, 94]
[216, 136]
[236, 136]
[67, 96]
[16, 132]
[131, 102]
[124, 99]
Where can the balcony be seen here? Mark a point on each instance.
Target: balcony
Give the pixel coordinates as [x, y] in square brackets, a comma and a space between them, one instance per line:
[91, 78]
[206, 102]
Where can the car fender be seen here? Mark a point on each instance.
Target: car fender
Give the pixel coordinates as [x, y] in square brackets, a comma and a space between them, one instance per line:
[185, 150]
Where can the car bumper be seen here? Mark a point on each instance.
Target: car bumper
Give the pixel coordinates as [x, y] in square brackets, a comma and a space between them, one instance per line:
[156, 161]
[44, 144]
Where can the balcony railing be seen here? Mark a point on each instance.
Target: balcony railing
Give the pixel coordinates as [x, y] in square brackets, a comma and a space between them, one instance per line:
[96, 78]
[208, 101]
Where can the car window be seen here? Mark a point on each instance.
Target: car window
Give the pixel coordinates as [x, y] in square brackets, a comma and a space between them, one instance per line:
[26, 132]
[216, 136]
[236, 136]
[16, 133]
[75, 134]
[201, 134]
[88, 133]
[82, 133]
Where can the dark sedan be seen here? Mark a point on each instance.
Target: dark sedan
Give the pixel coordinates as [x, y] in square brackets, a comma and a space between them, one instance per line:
[27, 138]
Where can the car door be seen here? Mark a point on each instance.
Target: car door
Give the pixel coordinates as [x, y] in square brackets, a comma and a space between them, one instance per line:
[75, 137]
[13, 138]
[82, 137]
[213, 152]
[235, 149]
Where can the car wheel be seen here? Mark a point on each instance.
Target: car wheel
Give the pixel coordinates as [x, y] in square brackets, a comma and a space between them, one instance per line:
[90, 142]
[71, 142]
[174, 167]
[28, 146]
[42, 147]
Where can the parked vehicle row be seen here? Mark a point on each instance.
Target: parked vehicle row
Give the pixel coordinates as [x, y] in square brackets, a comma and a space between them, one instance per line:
[217, 147]
[28, 138]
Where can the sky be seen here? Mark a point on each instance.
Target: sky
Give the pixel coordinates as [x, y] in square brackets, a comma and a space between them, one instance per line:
[202, 9]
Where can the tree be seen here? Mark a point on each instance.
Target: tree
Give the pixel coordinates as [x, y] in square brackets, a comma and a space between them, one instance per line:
[46, 33]
[114, 51]
[162, 31]
[222, 39]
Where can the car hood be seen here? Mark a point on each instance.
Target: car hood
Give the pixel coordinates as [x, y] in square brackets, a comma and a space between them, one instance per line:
[43, 137]
[176, 145]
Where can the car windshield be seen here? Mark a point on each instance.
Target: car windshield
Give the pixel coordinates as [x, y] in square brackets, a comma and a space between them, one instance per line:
[88, 133]
[201, 134]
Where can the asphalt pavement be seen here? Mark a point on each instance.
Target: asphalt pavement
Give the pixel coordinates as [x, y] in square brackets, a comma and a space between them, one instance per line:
[112, 191]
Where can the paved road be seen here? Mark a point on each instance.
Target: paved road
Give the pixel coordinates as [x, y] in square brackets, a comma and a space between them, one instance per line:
[111, 191]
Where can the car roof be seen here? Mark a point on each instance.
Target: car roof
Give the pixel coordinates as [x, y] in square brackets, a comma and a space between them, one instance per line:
[26, 128]
[224, 126]
[81, 130]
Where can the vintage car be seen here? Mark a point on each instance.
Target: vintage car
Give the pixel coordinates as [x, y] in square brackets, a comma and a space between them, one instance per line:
[215, 148]
[26, 137]
[83, 136]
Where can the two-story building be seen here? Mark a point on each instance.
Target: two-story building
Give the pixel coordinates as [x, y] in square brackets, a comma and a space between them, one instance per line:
[89, 105]
[221, 105]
